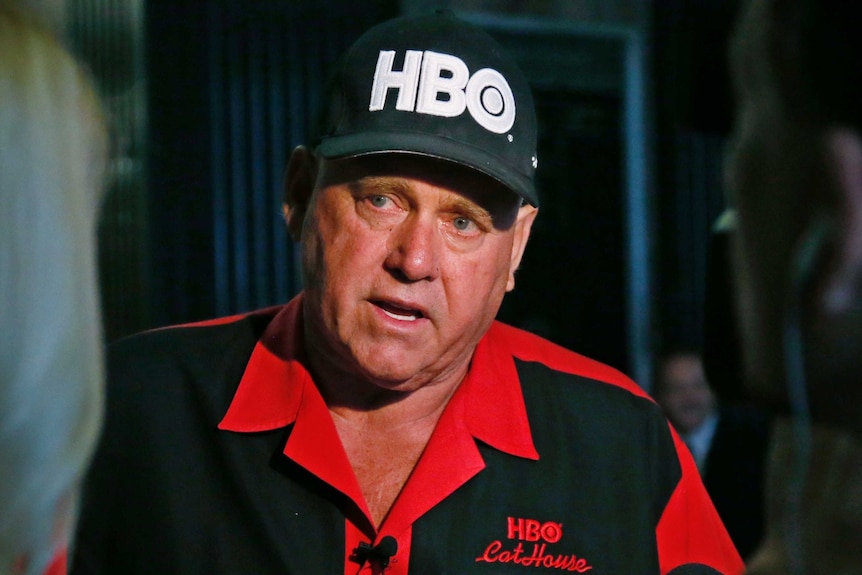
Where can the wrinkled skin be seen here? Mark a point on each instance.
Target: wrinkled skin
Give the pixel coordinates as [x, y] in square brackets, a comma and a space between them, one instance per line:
[405, 261]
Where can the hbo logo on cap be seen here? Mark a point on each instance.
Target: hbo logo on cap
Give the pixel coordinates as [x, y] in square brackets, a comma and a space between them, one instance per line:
[441, 85]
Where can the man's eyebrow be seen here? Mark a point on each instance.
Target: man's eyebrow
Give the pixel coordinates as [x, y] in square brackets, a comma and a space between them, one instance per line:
[377, 183]
[470, 209]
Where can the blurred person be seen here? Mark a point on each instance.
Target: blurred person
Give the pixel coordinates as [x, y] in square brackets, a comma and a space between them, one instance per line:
[688, 402]
[382, 420]
[729, 443]
[794, 172]
[52, 153]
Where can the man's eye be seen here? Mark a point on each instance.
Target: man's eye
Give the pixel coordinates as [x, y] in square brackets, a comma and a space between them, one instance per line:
[378, 201]
[462, 224]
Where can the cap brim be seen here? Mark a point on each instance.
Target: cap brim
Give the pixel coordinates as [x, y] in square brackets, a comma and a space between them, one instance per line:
[434, 146]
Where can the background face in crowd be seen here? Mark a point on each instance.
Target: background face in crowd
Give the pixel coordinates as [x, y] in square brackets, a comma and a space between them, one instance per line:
[406, 262]
[683, 392]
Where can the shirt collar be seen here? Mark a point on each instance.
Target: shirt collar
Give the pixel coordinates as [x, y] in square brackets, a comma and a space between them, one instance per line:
[495, 409]
[699, 440]
[269, 394]
[270, 391]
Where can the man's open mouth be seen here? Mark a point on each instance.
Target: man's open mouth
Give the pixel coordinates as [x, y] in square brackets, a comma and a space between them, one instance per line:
[398, 312]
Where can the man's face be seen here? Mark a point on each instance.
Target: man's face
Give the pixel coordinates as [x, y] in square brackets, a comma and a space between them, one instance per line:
[683, 392]
[779, 180]
[771, 160]
[406, 261]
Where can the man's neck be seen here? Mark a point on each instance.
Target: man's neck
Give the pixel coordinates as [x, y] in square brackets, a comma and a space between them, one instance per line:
[384, 433]
[353, 397]
[384, 426]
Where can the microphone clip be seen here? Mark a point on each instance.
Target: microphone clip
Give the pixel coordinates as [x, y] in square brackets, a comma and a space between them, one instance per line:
[381, 553]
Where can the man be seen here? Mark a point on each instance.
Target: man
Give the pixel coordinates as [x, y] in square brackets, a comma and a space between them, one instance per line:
[382, 420]
[729, 443]
[795, 173]
[687, 400]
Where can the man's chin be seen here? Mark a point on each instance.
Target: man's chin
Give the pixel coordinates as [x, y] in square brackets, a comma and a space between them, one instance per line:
[403, 375]
[398, 381]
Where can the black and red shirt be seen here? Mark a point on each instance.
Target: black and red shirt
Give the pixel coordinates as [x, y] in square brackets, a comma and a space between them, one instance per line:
[219, 456]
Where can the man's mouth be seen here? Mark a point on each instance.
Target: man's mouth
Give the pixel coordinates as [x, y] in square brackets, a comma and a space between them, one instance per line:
[398, 312]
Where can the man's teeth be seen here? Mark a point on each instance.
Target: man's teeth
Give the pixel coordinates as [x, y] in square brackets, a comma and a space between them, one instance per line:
[402, 317]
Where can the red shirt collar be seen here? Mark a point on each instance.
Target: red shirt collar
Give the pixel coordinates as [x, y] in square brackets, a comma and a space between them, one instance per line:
[270, 393]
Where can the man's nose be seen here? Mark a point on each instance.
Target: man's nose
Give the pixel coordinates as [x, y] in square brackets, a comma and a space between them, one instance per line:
[415, 249]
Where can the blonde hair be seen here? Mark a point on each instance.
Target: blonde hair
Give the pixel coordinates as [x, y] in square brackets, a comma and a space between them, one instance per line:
[52, 161]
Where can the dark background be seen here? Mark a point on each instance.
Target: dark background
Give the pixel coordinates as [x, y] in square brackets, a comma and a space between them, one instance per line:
[208, 97]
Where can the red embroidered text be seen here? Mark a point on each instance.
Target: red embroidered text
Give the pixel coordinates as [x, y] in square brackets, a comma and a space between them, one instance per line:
[532, 530]
[538, 558]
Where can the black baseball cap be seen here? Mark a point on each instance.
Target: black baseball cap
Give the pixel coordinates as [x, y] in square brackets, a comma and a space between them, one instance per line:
[437, 86]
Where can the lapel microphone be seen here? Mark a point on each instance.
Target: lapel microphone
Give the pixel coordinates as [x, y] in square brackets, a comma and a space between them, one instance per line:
[380, 553]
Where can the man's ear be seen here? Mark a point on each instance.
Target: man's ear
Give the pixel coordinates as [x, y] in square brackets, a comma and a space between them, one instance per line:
[844, 283]
[523, 225]
[299, 179]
